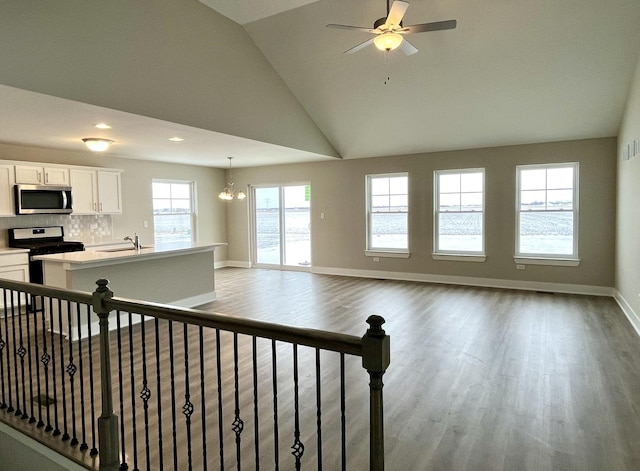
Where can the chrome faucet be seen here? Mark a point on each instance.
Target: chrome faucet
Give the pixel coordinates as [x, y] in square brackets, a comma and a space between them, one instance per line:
[135, 241]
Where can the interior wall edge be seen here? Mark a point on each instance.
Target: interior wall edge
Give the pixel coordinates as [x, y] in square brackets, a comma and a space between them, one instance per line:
[634, 317]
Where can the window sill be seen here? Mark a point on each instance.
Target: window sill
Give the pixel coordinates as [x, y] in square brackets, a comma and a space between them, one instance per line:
[387, 254]
[454, 257]
[557, 262]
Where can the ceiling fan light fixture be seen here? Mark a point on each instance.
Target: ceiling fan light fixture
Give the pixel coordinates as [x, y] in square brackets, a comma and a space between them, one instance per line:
[388, 41]
[97, 144]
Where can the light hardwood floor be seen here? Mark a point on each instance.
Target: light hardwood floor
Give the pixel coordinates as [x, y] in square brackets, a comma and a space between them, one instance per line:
[480, 379]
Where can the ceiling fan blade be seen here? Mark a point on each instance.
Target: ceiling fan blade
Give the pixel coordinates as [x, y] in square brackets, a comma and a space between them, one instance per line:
[359, 46]
[407, 47]
[357, 28]
[396, 13]
[425, 27]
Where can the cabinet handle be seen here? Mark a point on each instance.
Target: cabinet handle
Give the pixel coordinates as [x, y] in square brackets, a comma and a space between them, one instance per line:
[46, 177]
[100, 207]
[39, 177]
[94, 206]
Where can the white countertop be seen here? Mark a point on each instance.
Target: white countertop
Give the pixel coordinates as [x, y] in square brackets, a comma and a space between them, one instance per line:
[100, 257]
[10, 250]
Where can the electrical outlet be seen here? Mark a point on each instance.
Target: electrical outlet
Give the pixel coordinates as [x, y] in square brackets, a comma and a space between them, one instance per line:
[376, 259]
[520, 267]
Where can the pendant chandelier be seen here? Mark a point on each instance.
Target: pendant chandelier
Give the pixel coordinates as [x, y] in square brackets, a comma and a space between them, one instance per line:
[228, 193]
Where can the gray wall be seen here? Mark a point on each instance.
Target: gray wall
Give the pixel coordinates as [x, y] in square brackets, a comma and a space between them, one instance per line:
[338, 190]
[136, 191]
[628, 206]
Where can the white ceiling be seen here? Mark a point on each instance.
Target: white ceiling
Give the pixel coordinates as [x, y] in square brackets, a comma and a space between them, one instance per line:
[513, 72]
[39, 120]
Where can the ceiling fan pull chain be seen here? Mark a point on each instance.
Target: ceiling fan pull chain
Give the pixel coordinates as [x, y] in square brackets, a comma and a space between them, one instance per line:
[386, 66]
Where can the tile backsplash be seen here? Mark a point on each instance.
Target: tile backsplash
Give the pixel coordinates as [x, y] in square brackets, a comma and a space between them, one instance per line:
[88, 229]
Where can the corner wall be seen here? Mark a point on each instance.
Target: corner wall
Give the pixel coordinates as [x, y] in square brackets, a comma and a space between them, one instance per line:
[338, 191]
[627, 281]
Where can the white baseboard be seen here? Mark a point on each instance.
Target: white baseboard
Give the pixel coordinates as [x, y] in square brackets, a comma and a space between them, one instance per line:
[470, 281]
[194, 301]
[633, 316]
[232, 263]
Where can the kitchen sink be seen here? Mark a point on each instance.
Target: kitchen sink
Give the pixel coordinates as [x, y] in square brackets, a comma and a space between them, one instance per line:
[122, 249]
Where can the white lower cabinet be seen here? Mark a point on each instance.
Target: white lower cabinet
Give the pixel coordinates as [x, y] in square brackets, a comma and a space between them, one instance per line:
[15, 267]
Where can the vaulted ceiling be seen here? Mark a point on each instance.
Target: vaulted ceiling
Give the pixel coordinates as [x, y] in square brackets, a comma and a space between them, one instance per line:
[512, 72]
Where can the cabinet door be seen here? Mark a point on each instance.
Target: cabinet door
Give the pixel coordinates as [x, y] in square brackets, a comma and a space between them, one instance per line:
[109, 192]
[29, 175]
[84, 187]
[6, 191]
[14, 273]
[56, 176]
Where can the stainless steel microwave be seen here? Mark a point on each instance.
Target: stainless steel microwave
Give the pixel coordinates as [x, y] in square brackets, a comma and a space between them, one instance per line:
[43, 199]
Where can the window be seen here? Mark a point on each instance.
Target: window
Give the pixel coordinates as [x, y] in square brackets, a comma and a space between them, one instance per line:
[387, 213]
[459, 212]
[173, 214]
[547, 211]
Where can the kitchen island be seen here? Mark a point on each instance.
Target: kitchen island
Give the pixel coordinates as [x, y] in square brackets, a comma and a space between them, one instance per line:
[182, 276]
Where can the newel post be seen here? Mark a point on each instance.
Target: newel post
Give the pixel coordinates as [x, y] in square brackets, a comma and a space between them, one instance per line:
[376, 356]
[108, 421]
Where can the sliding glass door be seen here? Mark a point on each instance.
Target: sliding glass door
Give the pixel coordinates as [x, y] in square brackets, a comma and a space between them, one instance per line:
[282, 226]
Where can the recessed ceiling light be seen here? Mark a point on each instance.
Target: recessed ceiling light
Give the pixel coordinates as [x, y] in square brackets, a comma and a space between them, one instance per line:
[102, 126]
[176, 139]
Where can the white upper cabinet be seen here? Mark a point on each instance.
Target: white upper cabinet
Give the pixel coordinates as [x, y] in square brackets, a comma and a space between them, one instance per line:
[109, 192]
[6, 190]
[32, 175]
[96, 191]
[84, 187]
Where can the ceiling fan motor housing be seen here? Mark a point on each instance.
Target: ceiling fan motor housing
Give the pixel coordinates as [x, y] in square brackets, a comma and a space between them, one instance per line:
[381, 21]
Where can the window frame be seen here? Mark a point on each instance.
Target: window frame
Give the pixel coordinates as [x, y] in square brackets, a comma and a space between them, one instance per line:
[192, 205]
[540, 258]
[457, 255]
[389, 252]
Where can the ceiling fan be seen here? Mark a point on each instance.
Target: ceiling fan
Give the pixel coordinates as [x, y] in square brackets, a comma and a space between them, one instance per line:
[389, 31]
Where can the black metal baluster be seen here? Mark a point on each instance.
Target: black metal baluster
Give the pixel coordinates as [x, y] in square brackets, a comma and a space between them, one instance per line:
[123, 465]
[45, 359]
[173, 398]
[22, 352]
[145, 393]
[319, 407]
[94, 434]
[17, 410]
[3, 345]
[256, 426]
[238, 424]
[187, 409]
[203, 399]
[37, 362]
[220, 418]
[65, 435]
[132, 383]
[32, 419]
[83, 424]
[159, 387]
[298, 446]
[343, 416]
[274, 368]
[56, 429]
[72, 369]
